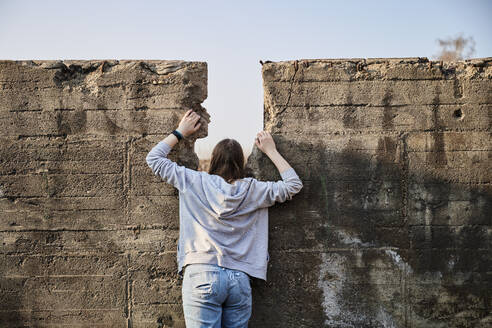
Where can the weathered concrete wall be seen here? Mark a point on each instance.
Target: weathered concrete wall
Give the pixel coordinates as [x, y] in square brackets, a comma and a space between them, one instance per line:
[88, 233]
[392, 228]
[393, 225]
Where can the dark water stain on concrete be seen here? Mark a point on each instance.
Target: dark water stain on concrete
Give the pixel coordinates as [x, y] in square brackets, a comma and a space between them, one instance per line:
[111, 127]
[389, 112]
[165, 321]
[72, 73]
[338, 200]
[71, 122]
[437, 157]
[349, 113]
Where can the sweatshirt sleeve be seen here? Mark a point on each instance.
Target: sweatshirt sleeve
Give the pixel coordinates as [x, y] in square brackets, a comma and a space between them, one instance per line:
[269, 192]
[177, 175]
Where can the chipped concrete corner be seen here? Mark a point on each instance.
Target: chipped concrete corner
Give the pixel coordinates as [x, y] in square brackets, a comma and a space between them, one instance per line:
[393, 225]
[88, 232]
[391, 229]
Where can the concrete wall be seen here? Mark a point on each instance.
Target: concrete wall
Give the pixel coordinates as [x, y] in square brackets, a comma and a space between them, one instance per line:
[393, 225]
[391, 229]
[88, 233]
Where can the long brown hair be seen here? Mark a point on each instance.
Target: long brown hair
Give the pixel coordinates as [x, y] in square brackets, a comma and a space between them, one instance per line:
[227, 160]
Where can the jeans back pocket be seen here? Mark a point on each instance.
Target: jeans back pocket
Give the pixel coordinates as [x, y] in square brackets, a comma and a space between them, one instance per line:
[204, 284]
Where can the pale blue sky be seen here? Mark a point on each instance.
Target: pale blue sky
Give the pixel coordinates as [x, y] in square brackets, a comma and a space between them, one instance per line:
[233, 36]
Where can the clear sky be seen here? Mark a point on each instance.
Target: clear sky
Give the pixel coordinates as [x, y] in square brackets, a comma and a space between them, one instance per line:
[232, 36]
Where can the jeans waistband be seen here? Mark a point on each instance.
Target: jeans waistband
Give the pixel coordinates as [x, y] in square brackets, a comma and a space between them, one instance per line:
[209, 266]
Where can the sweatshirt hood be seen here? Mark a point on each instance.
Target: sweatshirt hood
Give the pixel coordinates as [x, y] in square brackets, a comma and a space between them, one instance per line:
[226, 199]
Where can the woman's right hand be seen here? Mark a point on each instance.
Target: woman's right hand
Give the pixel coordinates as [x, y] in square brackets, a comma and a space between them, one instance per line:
[265, 143]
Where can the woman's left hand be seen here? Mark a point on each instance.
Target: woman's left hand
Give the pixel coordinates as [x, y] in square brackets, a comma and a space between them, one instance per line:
[188, 124]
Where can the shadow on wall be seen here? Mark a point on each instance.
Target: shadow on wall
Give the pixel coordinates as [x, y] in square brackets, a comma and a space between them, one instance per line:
[369, 242]
[66, 261]
[374, 239]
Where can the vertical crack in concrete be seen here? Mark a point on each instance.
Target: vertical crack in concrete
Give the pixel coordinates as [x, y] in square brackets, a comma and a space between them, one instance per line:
[129, 295]
[404, 166]
[292, 81]
[126, 187]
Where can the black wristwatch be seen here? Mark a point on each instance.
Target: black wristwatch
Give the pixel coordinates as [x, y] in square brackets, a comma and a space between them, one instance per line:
[177, 134]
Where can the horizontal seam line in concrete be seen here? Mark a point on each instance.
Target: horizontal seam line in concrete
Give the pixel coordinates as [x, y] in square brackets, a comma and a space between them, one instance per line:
[349, 131]
[59, 276]
[123, 228]
[137, 109]
[64, 210]
[88, 253]
[47, 197]
[392, 132]
[70, 160]
[63, 174]
[86, 136]
[409, 151]
[48, 324]
[383, 179]
[85, 255]
[100, 197]
[450, 225]
[62, 310]
[380, 79]
[383, 106]
[450, 151]
[369, 105]
[336, 249]
[156, 303]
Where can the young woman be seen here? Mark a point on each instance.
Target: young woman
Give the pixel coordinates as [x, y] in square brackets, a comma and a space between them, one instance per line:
[223, 219]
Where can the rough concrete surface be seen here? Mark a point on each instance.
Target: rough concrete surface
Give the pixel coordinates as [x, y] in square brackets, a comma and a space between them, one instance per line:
[391, 229]
[393, 225]
[88, 233]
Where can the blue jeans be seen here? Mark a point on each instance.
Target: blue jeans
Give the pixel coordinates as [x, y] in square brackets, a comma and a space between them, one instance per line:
[214, 296]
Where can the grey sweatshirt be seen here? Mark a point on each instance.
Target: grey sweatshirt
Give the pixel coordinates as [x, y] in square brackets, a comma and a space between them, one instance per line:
[222, 223]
